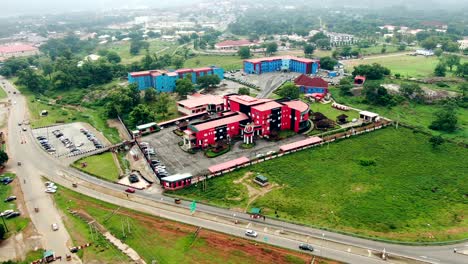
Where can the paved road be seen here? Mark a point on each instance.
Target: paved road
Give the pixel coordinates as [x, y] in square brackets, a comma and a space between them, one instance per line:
[30, 179]
[42, 163]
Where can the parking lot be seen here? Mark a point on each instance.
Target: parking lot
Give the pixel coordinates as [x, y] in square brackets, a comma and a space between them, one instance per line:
[69, 139]
[178, 161]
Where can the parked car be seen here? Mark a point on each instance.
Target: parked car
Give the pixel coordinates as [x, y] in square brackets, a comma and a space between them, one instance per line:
[6, 213]
[24, 129]
[41, 138]
[14, 214]
[133, 178]
[306, 247]
[50, 190]
[251, 233]
[55, 227]
[10, 198]
[130, 190]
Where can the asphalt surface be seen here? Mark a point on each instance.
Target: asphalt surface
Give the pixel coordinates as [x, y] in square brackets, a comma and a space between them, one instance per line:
[36, 163]
[20, 145]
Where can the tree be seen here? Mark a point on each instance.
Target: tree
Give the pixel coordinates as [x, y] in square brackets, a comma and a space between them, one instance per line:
[271, 47]
[150, 95]
[289, 90]
[244, 91]
[463, 88]
[446, 120]
[462, 70]
[113, 57]
[136, 45]
[317, 37]
[122, 99]
[183, 87]
[141, 114]
[374, 71]
[32, 81]
[345, 89]
[376, 94]
[178, 62]
[162, 103]
[412, 91]
[208, 81]
[436, 141]
[3, 157]
[440, 70]
[47, 68]
[244, 52]
[402, 47]
[438, 52]
[429, 43]
[328, 63]
[323, 43]
[452, 60]
[308, 49]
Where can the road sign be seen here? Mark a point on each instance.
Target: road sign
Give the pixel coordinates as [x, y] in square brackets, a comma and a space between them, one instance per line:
[193, 206]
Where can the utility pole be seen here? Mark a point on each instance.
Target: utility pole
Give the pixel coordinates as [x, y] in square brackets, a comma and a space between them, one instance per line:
[4, 224]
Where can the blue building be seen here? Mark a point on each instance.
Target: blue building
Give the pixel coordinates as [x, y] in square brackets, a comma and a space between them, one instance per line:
[165, 81]
[288, 63]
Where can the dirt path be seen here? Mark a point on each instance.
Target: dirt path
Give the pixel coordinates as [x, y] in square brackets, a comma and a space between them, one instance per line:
[253, 192]
[122, 131]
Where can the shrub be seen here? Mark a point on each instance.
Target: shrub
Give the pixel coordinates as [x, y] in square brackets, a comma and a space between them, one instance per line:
[367, 162]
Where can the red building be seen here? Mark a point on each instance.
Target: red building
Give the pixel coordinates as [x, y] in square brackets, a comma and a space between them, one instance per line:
[248, 116]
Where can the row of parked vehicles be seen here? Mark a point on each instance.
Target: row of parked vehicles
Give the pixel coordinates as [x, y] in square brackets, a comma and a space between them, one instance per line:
[46, 144]
[90, 136]
[67, 142]
[50, 187]
[9, 214]
[6, 180]
[158, 167]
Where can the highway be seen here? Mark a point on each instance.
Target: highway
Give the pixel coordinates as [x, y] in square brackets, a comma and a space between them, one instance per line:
[37, 163]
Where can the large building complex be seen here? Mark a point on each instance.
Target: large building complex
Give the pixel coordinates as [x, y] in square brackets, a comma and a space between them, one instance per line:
[247, 116]
[310, 85]
[282, 63]
[17, 50]
[234, 44]
[165, 81]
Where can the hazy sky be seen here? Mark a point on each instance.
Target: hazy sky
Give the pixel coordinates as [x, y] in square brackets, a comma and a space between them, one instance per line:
[15, 7]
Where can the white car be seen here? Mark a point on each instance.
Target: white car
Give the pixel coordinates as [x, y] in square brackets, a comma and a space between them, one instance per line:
[6, 212]
[50, 190]
[251, 233]
[55, 227]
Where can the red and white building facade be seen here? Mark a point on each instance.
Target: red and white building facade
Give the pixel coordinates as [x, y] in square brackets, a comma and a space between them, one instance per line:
[198, 103]
[248, 117]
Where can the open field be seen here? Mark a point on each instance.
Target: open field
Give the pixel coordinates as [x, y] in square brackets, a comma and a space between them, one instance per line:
[163, 240]
[2, 93]
[417, 115]
[15, 224]
[389, 184]
[101, 165]
[378, 49]
[406, 65]
[331, 112]
[30, 257]
[224, 61]
[156, 46]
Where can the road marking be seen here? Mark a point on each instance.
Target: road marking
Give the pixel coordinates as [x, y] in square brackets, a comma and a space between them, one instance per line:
[425, 257]
[248, 225]
[265, 229]
[349, 250]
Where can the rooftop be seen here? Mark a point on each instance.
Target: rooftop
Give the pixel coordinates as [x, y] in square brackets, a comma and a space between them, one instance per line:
[220, 122]
[304, 80]
[229, 43]
[297, 105]
[267, 106]
[17, 48]
[228, 164]
[301, 143]
[247, 100]
[202, 100]
[367, 113]
[177, 177]
[281, 58]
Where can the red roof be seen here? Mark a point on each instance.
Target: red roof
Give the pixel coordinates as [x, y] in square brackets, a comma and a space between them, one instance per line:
[247, 100]
[221, 122]
[202, 69]
[281, 58]
[200, 100]
[184, 70]
[138, 74]
[301, 143]
[297, 105]
[304, 80]
[230, 43]
[267, 106]
[17, 48]
[227, 165]
[360, 77]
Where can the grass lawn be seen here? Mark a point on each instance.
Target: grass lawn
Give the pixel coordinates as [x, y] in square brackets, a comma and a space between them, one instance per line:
[162, 240]
[156, 46]
[101, 165]
[15, 224]
[406, 65]
[226, 62]
[412, 192]
[378, 49]
[413, 114]
[3, 94]
[30, 257]
[331, 112]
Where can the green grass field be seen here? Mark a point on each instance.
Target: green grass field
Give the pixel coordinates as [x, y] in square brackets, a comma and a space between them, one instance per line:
[332, 113]
[101, 165]
[158, 239]
[30, 257]
[3, 94]
[226, 62]
[16, 224]
[406, 65]
[378, 50]
[417, 115]
[156, 46]
[412, 192]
